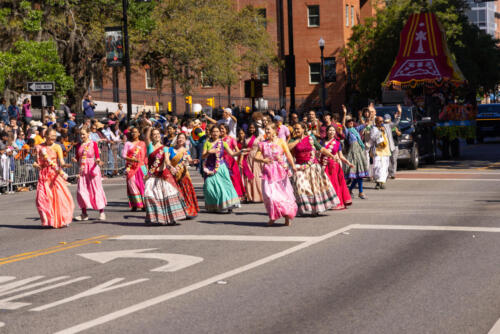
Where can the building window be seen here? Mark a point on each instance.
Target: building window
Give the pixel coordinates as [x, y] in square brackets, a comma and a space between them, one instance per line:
[346, 15]
[352, 16]
[313, 16]
[150, 79]
[264, 74]
[96, 80]
[262, 16]
[314, 73]
[206, 82]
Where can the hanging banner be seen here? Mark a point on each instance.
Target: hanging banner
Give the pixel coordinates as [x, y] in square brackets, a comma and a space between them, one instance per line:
[114, 46]
[423, 57]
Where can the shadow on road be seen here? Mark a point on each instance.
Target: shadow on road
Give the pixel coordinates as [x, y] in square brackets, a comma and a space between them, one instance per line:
[27, 227]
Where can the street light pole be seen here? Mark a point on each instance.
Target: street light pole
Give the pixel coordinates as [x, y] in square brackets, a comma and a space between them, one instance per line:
[321, 43]
[127, 61]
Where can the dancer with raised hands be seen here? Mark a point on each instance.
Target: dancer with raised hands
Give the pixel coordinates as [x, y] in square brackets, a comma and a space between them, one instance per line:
[277, 190]
[53, 198]
[90, 193]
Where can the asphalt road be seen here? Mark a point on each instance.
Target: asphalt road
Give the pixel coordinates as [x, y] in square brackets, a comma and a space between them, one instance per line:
[418, 257]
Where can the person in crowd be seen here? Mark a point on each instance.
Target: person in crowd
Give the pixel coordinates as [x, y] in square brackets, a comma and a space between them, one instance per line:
[250, 168]
[277, 191]
[392, 129]
[20, 140]
[53, 198]
[356, 155]
[164, 202]
[282, 130]
[198, 138]
[313, 190]
[382, 152]
[170, 135]
[90, 193]
[227, 119]
[327, 121]
[333, 167]
[89, 107]
[13, 110]
[134, 153]
[28, 116]
[232, 163]
[218, 189]
[180, 158]
[4, 114]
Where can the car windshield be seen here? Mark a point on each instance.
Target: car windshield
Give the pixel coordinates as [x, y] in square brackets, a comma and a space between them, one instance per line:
[406, 117]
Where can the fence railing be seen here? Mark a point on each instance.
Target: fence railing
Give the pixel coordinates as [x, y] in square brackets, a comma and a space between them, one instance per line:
[17, 171]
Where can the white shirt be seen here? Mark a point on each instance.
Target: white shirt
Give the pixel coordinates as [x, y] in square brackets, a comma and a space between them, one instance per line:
[231, 123]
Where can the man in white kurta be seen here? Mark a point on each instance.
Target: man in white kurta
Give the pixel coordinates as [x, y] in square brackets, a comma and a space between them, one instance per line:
[382, 152]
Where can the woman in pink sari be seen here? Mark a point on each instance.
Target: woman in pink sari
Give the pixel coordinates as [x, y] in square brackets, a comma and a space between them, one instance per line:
[277, 190]
[250, 168]
[333, 167]
[89, 194]
[53, 198]
[134, 153]
[232, 163]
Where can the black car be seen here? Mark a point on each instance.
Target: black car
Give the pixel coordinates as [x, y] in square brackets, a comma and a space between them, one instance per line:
[417, 140]
[487, 121]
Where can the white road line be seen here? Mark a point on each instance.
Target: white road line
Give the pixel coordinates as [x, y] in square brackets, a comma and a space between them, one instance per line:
[496, 328]
[214, 238]
[2, 324]
[167, 296]
[426, 228]
[431, 179]
[446, 172]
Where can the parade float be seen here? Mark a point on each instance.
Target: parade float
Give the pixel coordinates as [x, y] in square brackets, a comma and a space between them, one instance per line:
[431, 80]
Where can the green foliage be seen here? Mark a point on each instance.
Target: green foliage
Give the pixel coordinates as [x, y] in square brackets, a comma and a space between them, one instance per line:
[373, 46]
[33, 61]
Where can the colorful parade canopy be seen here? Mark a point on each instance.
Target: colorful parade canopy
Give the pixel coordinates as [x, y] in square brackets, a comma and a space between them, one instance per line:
[423, 57]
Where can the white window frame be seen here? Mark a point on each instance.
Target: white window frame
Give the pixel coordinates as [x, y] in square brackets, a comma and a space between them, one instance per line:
[352, 16]
[260, 76]
[97, 78]
[150, 81]
[204, 84]
[346, 15]
[315, 15]
[311, 73]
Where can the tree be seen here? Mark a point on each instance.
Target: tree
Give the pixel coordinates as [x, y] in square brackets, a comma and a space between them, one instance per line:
[374, 45]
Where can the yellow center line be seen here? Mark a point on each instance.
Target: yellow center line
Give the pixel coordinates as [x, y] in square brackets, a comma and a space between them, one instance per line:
[46, 251]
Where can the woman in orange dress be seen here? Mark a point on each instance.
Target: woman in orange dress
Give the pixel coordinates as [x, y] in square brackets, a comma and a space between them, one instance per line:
[53, 198]
[135, 155]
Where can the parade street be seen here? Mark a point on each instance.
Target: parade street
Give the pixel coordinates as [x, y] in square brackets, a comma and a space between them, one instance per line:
[418, 257]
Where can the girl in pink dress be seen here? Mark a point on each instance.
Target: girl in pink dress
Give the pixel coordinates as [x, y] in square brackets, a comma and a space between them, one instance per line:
[134, 153]
[277, 190]
[251, 170]
[333, 167]
[53, 199]
[232, 163]
[90, 194]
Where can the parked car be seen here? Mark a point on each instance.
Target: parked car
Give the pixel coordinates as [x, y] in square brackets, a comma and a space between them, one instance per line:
[417, 139]
[487, 121]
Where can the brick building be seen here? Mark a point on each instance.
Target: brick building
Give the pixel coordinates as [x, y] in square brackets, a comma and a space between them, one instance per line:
[312, 19]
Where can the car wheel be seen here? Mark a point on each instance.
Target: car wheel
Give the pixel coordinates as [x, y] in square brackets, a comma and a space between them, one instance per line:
[414, 159]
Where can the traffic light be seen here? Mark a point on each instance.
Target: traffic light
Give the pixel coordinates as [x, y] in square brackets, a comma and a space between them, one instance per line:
[211, 102]
[169, 106]
[189, 100]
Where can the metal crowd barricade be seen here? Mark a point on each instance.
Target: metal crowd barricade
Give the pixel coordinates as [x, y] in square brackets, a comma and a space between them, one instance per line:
[24, 175]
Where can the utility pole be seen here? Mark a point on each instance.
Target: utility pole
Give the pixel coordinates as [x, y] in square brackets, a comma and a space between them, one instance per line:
[127, 61]
[291, 55]
[281, 52]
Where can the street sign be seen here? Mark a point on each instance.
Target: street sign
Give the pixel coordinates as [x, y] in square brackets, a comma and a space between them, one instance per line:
[41, 87]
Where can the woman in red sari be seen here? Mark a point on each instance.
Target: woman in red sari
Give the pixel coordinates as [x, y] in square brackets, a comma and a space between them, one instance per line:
[179, 158]
[53, 198]
[333, 167]
[134, 153]
[250, 168]
[232, 163]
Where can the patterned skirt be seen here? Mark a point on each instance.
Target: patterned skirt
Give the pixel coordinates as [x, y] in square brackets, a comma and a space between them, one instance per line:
[187, 190]
[357, 157]
[164, 203]
[313, 190]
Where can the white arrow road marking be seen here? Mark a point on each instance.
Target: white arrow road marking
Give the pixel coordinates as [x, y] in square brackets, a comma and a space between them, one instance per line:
[1, 324]
[6, 304]
[10, 288]
[6, 278]
[175, 261]
[104, 287]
